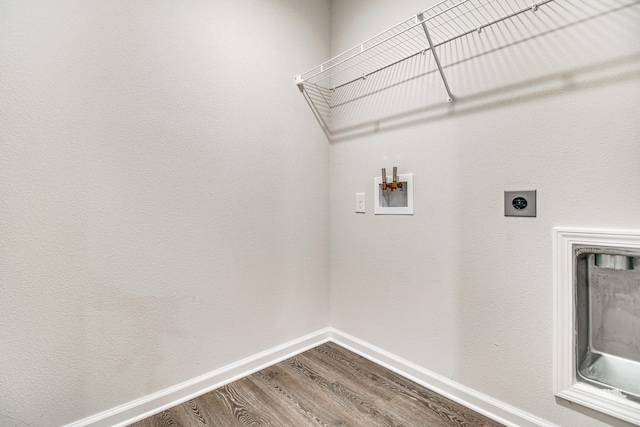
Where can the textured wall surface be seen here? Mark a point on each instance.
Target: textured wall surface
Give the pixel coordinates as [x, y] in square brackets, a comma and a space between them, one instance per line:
[457, 288]
[163, 195]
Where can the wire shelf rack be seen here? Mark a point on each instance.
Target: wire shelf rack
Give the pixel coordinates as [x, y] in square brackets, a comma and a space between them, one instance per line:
[442, 23]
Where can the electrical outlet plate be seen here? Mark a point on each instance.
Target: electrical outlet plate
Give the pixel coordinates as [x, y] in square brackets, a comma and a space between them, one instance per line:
[360, 204]
[520, 203]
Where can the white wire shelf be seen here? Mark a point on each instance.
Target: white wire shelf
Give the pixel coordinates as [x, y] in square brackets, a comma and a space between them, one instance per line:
[444, 22]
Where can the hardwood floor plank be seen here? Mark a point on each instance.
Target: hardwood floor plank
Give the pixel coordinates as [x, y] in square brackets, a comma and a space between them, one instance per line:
[315, 407]
[330, 394]
[356, 400]
[352, 371]
[279, 411]
[246, 408]
[374, 374]
[215, 412]
[390, 398]
[327, 386]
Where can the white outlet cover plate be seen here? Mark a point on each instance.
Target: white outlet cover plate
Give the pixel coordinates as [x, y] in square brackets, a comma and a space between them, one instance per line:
[360, 203]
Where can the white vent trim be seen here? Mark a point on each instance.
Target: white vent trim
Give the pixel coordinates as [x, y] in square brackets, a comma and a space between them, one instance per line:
[565, 384]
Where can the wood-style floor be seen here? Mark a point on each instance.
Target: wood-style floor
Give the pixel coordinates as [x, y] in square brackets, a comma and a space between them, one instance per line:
[325, 386]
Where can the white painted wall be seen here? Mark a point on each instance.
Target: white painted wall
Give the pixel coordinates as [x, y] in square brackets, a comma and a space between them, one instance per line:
[163, 195]
[458, 288]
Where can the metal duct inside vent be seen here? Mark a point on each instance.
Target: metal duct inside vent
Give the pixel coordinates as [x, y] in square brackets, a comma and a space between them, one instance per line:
[616, 262]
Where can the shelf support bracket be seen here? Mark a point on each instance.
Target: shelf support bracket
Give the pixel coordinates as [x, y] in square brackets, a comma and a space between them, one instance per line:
[420, 17]
[299, 82]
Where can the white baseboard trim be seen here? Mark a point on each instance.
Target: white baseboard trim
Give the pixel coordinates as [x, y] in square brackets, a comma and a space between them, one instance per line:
[147, 406]
[483, 404]
[154, 403]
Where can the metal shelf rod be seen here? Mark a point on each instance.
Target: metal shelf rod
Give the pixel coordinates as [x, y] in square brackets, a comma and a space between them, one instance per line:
[419, 22]
[486, 24]
[435, 56]
[362, 50]
[498, 20]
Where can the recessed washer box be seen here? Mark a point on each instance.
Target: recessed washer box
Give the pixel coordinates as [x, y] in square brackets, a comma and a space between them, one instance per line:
[393, 202]
[520, 203]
